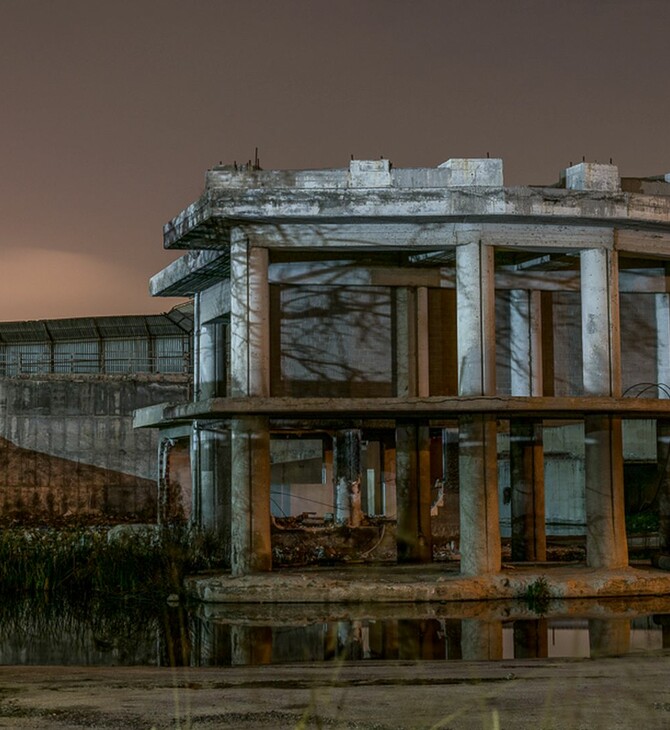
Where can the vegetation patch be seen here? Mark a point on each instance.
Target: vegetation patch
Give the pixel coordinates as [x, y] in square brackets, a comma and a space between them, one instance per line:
[538, 595]
[148, 562]
[642, 523]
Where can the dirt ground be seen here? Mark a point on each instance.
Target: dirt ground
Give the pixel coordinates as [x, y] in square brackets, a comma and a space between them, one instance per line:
[624, 692]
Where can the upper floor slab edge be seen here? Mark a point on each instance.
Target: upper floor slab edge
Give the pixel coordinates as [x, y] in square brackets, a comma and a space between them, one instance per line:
[372, 191]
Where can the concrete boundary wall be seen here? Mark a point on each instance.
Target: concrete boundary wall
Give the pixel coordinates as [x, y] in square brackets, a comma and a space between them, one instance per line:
[68, 449]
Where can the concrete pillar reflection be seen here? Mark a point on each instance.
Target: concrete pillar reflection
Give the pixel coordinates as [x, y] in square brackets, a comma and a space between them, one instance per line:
[452, 635]
[531, 639]
[251, 645]
[420, 639]
[211, 643]
[609, 636]
[481, 640]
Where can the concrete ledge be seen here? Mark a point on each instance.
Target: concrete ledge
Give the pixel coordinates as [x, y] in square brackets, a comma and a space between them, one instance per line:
[436, 582]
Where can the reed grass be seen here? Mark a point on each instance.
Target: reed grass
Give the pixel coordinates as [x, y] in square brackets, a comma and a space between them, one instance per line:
[149, 563]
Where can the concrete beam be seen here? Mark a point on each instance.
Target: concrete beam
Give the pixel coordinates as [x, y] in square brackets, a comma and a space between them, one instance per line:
[208, 223]
[434, 407]
[349, 273]
[190, 273]
[417, 235]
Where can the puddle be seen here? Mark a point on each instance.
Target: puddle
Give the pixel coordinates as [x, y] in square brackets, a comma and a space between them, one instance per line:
[227, 635]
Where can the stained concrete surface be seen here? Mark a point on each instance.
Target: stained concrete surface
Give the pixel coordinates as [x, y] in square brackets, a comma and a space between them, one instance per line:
[428, 582]
[616, 694]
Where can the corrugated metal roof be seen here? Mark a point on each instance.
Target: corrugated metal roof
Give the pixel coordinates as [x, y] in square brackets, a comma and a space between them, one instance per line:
[178, 321]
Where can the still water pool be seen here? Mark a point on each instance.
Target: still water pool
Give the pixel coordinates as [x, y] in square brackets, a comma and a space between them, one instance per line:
[109, 634]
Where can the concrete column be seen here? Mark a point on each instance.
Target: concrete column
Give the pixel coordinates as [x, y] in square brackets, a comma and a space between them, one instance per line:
[249, 320]
[526, 449]
[211, 480]
[212, 368]
[606, 545]
[347, 477]
[526, 342]
[601, 344]
[214, 467]
[422, 350]
[250, 435]
[210, 449]
[413, 497]
[475, 306]
[414, 541]
[662, 302]
[168, 508]
[411, 341]
[478, 470]
[251, 548]
[529, 540]
[663, 476]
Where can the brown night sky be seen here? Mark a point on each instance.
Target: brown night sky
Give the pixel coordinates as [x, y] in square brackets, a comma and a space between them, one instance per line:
[112, 111]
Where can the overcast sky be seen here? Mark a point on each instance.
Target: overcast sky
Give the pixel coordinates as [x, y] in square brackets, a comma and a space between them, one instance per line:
[112, 111]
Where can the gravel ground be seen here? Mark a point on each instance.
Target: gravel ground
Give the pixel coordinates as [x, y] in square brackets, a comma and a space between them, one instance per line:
[614, 693]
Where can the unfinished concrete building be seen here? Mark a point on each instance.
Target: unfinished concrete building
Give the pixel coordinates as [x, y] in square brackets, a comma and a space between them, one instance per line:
[372, 341]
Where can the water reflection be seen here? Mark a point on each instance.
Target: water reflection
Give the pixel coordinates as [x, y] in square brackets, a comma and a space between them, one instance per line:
[125, 634]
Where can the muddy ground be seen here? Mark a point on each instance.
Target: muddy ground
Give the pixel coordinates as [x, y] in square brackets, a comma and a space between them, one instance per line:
[625, 692]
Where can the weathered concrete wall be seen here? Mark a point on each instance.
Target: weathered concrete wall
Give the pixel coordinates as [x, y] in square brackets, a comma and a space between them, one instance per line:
[68, 448]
